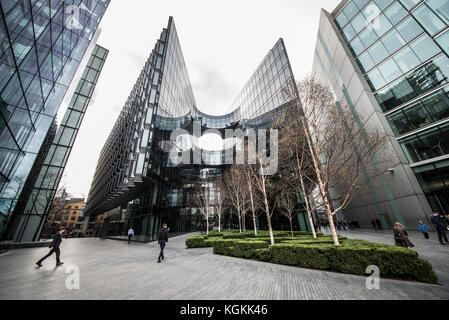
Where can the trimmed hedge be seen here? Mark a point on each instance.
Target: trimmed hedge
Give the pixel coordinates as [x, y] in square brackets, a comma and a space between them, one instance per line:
[206, 241]
[224, 247]
[197, 242]
[352, 257]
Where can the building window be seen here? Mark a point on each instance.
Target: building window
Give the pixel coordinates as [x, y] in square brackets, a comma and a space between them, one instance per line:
[427, 145]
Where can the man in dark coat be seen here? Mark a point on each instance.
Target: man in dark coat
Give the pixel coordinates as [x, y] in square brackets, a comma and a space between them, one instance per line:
[374, 224]
[54, 246]
[162, 239]
[379, 225]
[439, 226]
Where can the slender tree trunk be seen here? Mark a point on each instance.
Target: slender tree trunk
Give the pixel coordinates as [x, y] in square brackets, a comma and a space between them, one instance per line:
[308, 208]
[312, 226]
[219, 223]
[240, 222]
[252, 206]
[255, 224]
[291, 227]
[207, 222]
[320, 183]
[270, 228]
[267, 209]
[331, 222]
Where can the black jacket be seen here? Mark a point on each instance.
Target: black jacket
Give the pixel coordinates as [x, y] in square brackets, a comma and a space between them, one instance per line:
[437, 223]
[57, 239]
[163, 235]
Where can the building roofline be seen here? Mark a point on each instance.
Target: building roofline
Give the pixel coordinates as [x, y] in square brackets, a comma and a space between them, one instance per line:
[340, 6]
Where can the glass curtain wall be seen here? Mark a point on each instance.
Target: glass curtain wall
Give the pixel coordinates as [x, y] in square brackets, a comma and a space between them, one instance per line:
[402, 48]
[43, 43]
[26, 224]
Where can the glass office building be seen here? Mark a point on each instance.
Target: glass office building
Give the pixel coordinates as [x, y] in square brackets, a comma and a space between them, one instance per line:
[389, 61]
[42, 45]
[135, 172]
[29, 216]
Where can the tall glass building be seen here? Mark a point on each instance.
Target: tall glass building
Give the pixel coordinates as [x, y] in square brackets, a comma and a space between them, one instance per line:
[135, 172]
[42, 45]
[389, 61]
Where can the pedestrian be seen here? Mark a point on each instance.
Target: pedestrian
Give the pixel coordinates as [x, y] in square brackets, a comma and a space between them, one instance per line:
[130, 235]
[401, 236]
[440, 227]
[162, 239]
[423, 229]
[379, 225]
[374, 224]
[54, 246]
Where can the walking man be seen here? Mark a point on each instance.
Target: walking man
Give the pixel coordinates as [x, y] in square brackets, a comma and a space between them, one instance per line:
[130, 235]
[439, 226]
[374, 224]
[162, 239]
[379, 225]
[54, 246]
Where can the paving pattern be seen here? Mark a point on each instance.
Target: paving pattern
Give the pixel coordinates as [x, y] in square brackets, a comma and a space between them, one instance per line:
[114, 270]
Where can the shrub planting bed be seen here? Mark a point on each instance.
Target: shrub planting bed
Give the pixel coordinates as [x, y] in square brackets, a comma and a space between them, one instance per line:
[302, 250]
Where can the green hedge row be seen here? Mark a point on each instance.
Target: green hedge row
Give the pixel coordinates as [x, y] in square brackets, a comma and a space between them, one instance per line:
[204, 241]
[352, 257]
[239, 248]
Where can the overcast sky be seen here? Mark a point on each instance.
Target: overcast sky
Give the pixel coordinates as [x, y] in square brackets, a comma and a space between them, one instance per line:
[223, 42]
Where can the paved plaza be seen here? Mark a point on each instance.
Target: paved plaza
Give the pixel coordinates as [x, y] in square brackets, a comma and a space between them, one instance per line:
[115, 270]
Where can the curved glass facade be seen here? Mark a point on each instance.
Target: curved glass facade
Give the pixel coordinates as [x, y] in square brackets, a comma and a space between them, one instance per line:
[135, 171]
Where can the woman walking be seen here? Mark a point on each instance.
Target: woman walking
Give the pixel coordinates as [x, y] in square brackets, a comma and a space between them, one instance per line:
[162, 239]
[401, 236]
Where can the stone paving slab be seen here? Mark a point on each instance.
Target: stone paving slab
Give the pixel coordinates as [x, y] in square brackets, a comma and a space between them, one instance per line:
[114, 270]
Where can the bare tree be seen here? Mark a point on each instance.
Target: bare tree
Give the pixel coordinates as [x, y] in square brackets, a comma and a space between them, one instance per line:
[202, 200]
[254, 198]
[339, 144]
[289, 202]
[220, 200]
[237, 192]
[263, 183]
[296, 165]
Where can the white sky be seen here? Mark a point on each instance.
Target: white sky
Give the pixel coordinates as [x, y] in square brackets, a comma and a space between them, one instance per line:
[223, 42]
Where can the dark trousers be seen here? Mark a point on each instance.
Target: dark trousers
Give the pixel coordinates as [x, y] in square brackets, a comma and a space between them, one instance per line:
[53, 250]
[162, 244]
[442, 235]
[426, 235]
[129, 238]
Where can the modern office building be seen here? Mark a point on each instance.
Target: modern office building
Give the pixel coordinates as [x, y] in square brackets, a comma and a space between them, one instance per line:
[29, 216]
[387, 60]
[43, 44]
[136, 173]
